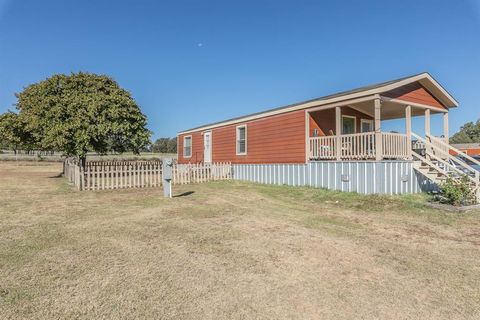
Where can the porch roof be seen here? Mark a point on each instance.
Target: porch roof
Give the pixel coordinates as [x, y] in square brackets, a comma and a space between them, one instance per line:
[425, 79]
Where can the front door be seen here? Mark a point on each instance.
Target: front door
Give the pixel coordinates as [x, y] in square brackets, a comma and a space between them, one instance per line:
[207, 147]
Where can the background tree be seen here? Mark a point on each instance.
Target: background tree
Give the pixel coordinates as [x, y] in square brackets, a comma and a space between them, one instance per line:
[165, 145]
[82, 112]
[12, 133]
[469, 133]
[172, 145]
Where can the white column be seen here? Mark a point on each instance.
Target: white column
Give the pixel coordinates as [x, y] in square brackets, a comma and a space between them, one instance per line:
[378, 130]
[308, 151]
[427, 122]
[445, 127]
[408, 129]
[338, 132]
[427, 133]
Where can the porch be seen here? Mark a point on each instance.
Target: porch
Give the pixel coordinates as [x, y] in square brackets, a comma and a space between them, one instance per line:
[352, 131]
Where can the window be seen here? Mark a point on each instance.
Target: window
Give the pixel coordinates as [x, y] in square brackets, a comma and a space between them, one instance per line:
[187, 146]
[349, 125]
[367, 125]
[241, 140]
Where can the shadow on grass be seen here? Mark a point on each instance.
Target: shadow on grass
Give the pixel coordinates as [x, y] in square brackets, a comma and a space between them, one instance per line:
[60, 175]
[185, 194]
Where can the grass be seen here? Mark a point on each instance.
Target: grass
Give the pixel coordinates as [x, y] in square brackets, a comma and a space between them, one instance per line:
[229, 250]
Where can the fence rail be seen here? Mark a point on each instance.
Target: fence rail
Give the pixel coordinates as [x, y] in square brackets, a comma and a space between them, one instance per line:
[101, 175]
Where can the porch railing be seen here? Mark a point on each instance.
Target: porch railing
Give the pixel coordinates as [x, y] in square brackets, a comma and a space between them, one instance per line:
[359, 146]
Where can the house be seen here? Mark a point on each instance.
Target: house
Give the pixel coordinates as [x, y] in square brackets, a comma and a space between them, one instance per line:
[472, 149]
[332, 131]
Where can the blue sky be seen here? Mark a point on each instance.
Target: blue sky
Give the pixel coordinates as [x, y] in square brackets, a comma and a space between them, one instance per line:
[192, 62]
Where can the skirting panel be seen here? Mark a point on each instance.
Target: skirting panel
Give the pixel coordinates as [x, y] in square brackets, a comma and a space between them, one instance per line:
[366, 177]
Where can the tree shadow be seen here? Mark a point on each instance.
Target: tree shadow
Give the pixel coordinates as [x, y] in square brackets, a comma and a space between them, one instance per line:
[185, 194]
[60, 175]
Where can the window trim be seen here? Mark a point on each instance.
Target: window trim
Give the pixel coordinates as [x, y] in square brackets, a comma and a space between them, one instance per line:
[237, 140]
[183, 147]
[354, 123]
[370, 121]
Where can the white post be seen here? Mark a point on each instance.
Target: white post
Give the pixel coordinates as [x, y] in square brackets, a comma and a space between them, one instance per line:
[427, 133]
[445, 127]
[408, 129]
[378, 130]
[338, 132]
[307, 137]
[427, 122]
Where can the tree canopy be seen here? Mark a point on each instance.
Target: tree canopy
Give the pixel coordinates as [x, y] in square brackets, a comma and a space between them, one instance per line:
[82, 112]
[469, 133]
[165, 145]
[12, 133]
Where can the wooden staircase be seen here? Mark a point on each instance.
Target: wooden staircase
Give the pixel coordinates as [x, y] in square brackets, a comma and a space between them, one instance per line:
[437, 164]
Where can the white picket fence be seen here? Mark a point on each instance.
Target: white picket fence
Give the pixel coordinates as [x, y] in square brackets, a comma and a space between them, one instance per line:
[102, 175]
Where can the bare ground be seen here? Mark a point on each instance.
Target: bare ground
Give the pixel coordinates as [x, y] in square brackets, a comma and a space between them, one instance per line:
[229, 250]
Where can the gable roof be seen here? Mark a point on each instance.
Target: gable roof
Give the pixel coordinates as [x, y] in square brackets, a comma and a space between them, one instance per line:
[424, 78]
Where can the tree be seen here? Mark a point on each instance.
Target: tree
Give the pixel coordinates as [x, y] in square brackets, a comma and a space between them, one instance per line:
[165, 145]
[82, 112]
[12, 133]
[469, 132]
[160, 145]
[172, 145]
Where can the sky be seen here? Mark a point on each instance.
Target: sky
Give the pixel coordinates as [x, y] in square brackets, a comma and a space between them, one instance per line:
[191, 62]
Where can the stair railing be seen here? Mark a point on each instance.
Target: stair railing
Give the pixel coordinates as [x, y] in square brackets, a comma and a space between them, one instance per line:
[445, 150]
[432, 150]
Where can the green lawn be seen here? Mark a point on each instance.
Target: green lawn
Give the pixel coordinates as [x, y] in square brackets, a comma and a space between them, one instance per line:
[229, 250]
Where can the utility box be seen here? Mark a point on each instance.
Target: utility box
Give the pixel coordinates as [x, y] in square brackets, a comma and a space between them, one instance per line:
[167, 176]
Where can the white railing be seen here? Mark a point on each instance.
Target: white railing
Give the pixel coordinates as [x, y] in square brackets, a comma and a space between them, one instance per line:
[359, 146]
[323, 147]
[437, 149]
[395, 145]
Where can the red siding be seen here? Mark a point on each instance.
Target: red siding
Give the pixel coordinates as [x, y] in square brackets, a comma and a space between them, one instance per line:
[197, 148]
[470, 151]
[274, 139]
[416, 93]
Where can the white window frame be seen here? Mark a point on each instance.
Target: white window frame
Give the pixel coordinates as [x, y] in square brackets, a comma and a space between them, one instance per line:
[370, 121]
[191, 144]
[237, 145]
[354, 123]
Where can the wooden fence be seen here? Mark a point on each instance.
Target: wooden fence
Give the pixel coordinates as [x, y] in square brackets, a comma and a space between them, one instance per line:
[101, 175]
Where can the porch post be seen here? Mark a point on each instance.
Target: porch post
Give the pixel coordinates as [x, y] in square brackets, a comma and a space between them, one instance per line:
[427, 122]
[408, 129]
[445, 127]
[427, 133]
[308, 151]
[338, 132]
[378, 130]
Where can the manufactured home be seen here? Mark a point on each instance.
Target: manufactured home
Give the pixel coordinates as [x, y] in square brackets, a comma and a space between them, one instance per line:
[337, 141]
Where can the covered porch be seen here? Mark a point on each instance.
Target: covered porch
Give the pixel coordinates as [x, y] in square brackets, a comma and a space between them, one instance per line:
[352, 130]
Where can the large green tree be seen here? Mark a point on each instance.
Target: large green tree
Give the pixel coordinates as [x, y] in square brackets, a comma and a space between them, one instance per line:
[469, 133]
[12, 133]
[82, 112]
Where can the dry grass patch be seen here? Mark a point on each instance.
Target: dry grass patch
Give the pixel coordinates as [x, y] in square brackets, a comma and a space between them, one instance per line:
[229, 250]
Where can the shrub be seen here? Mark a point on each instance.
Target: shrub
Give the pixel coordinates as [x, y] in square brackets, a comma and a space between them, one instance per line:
[457, 192]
